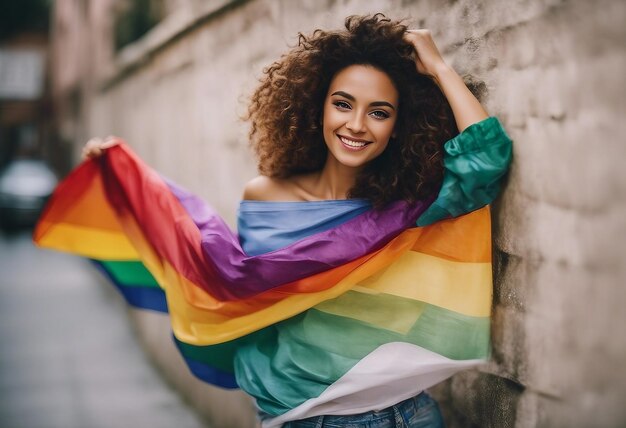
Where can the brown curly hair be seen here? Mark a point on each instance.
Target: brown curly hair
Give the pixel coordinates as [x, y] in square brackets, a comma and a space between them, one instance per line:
[286, 108]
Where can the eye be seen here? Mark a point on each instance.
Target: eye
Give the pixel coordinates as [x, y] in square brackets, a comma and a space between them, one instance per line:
[342, 105]
[380, 114]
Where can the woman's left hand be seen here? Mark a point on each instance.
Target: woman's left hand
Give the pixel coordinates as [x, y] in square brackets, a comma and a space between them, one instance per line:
[428, 59]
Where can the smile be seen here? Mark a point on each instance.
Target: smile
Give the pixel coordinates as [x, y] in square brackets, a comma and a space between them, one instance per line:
[353, 144]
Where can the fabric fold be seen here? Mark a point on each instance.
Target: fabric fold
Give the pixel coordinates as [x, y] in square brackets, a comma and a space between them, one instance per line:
[475, 161]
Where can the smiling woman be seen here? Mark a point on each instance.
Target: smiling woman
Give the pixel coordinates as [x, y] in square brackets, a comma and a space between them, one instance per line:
[329, 307]
[359, 116]
[291, 109]
[366, 115]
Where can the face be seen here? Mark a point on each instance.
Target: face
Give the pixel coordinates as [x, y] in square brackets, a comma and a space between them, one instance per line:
[360, 112]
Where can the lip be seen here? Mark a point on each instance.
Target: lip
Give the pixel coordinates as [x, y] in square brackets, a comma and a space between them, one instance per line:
[351, 148]
[358, 140]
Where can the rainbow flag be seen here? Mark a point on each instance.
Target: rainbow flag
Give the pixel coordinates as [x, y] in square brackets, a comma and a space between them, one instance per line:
[355, 311]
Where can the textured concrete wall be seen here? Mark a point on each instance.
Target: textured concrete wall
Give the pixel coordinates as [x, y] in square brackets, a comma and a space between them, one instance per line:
[554, 70]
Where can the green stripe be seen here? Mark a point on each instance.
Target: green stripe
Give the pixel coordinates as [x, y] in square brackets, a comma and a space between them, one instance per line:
[311, 351]
[368, 309]
[130, 273]
[222, 355]
[393, 318]
[289, 362]
[218, 356]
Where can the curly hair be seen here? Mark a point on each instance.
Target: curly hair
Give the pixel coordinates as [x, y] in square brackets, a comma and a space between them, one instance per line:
[286, 108]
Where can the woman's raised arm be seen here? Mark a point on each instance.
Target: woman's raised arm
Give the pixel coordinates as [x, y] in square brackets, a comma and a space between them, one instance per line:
[476, 160]
[466, 108]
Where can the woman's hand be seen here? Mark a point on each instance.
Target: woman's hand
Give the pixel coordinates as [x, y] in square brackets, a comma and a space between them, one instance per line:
[466, 108]
[428, 59]
[96, 147]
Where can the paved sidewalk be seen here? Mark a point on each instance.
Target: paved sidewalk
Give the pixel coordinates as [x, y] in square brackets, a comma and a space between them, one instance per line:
[67, 355]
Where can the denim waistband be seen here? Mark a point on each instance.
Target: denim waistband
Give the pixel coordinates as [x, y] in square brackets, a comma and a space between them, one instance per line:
[396, 415]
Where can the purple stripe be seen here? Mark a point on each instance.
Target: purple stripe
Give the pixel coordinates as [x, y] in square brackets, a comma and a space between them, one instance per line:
[250, 275]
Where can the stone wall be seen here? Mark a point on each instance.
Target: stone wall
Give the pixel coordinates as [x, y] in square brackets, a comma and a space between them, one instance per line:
[554, 71]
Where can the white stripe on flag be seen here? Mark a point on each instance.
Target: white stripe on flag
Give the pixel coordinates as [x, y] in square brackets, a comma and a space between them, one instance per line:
[391, 373]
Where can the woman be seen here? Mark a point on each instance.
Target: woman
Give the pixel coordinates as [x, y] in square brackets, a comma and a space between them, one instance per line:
[351, 125]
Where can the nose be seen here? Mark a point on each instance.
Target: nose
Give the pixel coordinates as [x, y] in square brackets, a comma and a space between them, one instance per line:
[356, 123]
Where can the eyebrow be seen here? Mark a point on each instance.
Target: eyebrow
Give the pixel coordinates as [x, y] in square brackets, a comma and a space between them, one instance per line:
[374, 104]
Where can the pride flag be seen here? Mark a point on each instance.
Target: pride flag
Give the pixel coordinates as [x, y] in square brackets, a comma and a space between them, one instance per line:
[357, 313]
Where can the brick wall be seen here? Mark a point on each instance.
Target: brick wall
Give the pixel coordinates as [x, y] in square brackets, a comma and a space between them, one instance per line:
[554, 71]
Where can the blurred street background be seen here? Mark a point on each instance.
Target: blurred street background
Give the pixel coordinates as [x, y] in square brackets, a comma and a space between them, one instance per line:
[67, 356]
[172, 78]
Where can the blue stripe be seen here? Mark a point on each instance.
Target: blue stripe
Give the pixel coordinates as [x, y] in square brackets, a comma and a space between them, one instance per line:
[138, 297]
[208, 373]
[265, 226]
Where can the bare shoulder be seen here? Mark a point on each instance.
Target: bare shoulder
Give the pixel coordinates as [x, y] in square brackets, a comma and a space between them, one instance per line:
[264, 188]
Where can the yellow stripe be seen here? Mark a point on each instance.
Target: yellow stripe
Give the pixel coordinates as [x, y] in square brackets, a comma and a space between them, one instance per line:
[461, 287]
[195, 325]
[199, 319]
[466, 286]
[399, 315]
[88, 242]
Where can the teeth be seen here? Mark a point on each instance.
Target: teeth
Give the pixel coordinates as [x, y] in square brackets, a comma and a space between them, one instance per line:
[352, 143]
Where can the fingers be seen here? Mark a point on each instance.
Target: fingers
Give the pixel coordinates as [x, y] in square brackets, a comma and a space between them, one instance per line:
[415, 35]
[423, 31]
[428, 59]
[91, 149]
[110, 141]
[95, 147]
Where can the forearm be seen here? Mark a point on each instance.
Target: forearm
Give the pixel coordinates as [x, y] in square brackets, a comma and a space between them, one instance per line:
[466, 108]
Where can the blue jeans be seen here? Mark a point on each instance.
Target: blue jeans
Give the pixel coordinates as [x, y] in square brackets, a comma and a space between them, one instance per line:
[420, 411]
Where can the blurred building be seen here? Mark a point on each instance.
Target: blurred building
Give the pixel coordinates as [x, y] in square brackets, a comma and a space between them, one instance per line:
[24, 102]
[86, 39]
[172, 76]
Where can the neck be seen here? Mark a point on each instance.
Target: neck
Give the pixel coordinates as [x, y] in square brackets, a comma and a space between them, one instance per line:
[335, 180]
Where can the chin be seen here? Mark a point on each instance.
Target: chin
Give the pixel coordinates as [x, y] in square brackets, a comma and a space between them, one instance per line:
[352, 163]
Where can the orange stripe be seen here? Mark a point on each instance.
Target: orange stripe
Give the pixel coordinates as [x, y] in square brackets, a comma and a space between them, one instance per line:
[463, 239]
[80, 201]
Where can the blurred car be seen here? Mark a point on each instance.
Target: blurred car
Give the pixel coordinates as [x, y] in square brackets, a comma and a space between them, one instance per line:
[25, 186]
